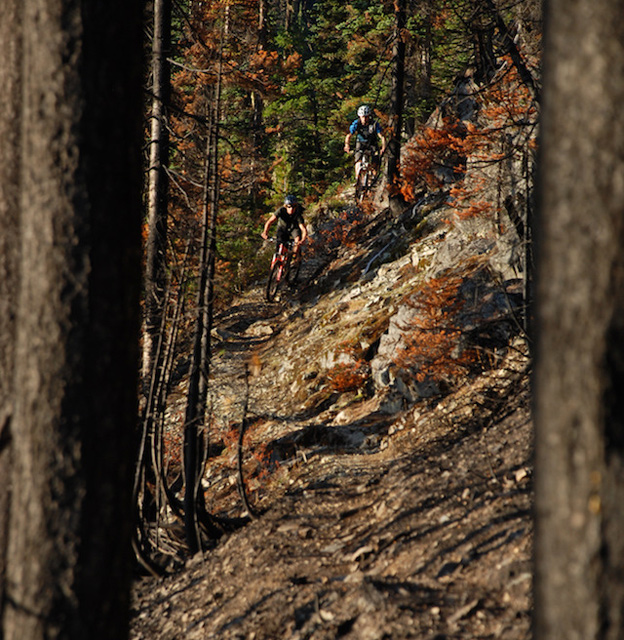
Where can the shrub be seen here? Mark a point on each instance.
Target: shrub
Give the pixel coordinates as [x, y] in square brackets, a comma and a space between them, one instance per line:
[349, 376]
[433, 345]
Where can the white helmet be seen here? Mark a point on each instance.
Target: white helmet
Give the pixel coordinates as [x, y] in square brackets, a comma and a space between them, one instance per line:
[364, 110]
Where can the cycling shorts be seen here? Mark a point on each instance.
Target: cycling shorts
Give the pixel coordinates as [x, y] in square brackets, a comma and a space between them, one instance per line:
[360, 149]
[284, 235]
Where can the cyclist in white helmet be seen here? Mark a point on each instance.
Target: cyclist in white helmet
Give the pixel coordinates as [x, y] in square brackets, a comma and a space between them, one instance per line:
[368, 135]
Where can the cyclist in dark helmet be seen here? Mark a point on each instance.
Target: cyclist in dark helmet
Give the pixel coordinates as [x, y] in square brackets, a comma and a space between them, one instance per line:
[290, 223]
[368, 135]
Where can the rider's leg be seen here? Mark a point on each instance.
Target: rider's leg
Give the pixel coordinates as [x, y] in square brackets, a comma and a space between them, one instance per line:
[358, 166]
[295, 234]
[358, 162]
[374, 163]
[281, 235]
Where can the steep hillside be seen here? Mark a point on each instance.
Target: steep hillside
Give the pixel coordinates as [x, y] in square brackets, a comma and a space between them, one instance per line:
[387, 455]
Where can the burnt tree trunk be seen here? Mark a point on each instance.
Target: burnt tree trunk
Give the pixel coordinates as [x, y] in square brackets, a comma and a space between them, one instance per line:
[482, 35]
[195, 403]
[579, 384]
[396, 107]
[257, 105]
[155, 250]
[77, 321]
[10, 54]
[194, 431]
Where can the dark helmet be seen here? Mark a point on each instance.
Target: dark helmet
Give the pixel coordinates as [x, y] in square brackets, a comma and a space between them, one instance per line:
[290, 200]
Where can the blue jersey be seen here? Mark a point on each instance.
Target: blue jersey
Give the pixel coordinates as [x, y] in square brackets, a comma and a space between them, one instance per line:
[365, 134]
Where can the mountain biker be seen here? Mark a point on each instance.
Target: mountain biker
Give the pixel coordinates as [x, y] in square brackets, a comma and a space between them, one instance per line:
[368, 134]
[290, 223]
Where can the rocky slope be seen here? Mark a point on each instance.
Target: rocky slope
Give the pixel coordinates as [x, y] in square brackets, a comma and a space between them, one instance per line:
[387, 501]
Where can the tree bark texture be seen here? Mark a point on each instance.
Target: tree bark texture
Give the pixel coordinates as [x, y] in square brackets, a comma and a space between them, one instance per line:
[155, 258]
[76, 353]
[579, 410]
[10, 81]
[194, 438]
[262, 22]
[195, 406]
[291, 13]
[396, 103]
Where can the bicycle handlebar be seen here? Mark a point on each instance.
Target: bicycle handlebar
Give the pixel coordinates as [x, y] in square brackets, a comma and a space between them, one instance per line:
[289, 243]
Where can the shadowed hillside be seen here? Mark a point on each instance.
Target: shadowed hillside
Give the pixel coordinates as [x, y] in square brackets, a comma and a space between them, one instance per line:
[378, 413]
[393, 496]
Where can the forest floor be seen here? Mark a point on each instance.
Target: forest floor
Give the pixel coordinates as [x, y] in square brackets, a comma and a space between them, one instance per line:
[407, 522]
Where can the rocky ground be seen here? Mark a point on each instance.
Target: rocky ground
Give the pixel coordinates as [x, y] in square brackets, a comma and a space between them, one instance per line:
[377, 512]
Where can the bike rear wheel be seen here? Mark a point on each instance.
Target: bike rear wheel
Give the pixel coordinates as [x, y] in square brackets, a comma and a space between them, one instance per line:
[273, 283]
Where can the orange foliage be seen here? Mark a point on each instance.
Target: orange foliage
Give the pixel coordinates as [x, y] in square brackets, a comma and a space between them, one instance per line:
[506, 106]
[292, 64]
[172, 447]
[344, 229]
[425, 153]
[508, 100]
[465, 200]
[351, 375]
[432, 346]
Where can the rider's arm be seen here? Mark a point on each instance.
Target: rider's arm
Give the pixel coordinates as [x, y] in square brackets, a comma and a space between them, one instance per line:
[352, 130]
[267, 225]
[304, 232]
[347, 142]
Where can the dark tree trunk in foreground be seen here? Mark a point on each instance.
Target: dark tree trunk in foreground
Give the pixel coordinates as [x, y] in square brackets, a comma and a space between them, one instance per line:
[579, 382]
[10, 54]
[76, 345]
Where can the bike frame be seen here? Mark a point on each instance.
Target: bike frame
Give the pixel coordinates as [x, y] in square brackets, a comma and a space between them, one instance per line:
[281, 255]
[282, 268]
[367, 175]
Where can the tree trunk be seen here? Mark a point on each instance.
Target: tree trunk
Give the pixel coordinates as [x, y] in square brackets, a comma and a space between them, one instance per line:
[155, 260]
[422, 78]
[579, 406]
[510, 45]
[262, 22]
[482, 33]
[10, 54]
[195, 408]
[257, 105]
[291, 13]
[427, 54]
[396, 107]
[194, 440]
[76, 345]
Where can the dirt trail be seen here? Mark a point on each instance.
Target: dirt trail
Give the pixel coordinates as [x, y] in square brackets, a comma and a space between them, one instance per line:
[428, 538]
[411, 524]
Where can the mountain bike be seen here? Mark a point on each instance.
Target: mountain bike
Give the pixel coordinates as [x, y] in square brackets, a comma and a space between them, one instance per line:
[285, 266]
[369, 170]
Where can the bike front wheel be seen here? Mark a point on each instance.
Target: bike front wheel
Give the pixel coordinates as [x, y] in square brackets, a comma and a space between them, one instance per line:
[274, 280]
[362, 184]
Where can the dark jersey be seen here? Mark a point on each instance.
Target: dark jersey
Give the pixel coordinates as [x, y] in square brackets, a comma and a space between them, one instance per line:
[287, 221]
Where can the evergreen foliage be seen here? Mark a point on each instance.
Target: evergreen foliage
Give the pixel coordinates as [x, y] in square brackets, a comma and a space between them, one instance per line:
[292, 85]
[283, 80]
